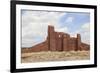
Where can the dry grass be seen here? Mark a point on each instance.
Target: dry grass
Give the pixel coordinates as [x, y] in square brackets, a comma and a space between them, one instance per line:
[54, 56]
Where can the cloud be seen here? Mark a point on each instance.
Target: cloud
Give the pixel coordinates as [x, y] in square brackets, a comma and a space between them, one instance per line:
[85, 33]
[35, 25]
[86, 26]
[64, 29]
[69, 20]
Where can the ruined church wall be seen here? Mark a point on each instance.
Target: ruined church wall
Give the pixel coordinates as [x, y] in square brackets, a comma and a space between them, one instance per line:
[52, 40]
[37, 48]
[72, 44]
[59, 41]
[78, 42]
[66, 39]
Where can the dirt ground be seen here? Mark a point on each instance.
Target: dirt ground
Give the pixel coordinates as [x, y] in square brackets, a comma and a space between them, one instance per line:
[54, 56]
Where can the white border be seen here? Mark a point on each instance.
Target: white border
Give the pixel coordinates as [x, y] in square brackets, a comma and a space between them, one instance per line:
[20, 65]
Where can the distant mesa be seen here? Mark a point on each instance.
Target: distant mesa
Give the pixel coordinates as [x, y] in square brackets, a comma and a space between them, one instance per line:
[59, 41]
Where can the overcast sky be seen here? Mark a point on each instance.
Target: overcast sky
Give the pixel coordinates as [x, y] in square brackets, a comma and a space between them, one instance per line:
[35, 25]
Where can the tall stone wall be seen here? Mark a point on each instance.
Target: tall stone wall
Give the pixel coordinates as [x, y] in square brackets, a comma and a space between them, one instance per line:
[59, 41]
[51, 38]
[78, 42]
[66, 39]
[72, 44]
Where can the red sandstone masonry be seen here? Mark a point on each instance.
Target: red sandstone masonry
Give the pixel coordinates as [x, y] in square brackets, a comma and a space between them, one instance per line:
[78, 42]
[59, 41]
[51, 40]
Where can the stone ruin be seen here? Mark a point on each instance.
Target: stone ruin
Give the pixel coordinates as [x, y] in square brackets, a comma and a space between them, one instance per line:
[59, 41]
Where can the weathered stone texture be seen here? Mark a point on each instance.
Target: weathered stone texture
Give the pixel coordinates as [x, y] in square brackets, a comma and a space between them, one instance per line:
[66, 39]
[72, 44]
[51, 40]
[59, 41]
[78, 42]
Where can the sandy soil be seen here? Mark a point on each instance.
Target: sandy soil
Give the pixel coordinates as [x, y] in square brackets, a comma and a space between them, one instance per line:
[54, 56]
